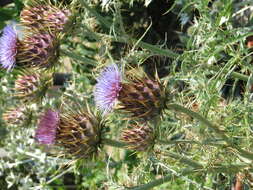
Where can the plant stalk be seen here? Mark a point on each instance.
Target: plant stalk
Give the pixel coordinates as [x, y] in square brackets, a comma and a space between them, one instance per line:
[180, 158]
[183, 160]
[78, 57]
[215, 128]
[233, 74]
[204, 143]
[215, 169]
[113, 143]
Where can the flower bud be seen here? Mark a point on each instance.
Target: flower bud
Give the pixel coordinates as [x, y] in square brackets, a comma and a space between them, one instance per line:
[142, 97]
[38, 50]
[40, 16]
[32, 86]
[138, 137]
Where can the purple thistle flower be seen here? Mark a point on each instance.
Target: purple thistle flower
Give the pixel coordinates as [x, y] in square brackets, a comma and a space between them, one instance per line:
[107, 88]
[8, 47]
[46, 131]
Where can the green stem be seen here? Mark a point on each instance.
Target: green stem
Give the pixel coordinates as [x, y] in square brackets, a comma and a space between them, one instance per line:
[160, 181]
[204, 143]
[114, 143]
[60, 175]
[233, 73]
[184, 160]
[78, 57]
[156, 49]
[197, 116]
[180, 158]
[219, 132]
[153, 48]
[215, 169]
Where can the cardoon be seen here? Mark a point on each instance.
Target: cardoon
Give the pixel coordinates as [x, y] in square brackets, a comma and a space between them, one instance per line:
[8, 47]
[138, 137]
[38, 49]
[38, 16]
[107, 88]
[142, 97]
[79, 132]
[32, 86]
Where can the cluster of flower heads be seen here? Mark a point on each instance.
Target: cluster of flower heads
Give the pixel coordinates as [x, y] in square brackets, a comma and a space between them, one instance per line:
[79, 132]
[36, 42]
[138, 96]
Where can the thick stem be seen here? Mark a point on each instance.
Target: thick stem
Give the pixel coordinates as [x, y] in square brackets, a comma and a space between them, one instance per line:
[180, 158]
[160, 181]
[152, 48]
[60, 175]
[215, 128]
[78, 57]
[232, 74]
[215, 169]
[197, 116]
[184, 160]
[204, 143]
[113, 143]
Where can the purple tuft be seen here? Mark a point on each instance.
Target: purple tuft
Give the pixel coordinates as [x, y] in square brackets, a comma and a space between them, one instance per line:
[46, 131]
[8, 47]
[107, 88]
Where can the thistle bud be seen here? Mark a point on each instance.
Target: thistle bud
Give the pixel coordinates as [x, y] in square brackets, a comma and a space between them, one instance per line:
[16, 116]
[142, 97]
[38, 50]
[78, 133]
[32, 86]
[139, 138]
[40, 16]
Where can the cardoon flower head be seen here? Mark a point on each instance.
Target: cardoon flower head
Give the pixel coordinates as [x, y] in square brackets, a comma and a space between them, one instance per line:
[79, 133]
[107, 88]
[142, 97]
[38, 49]
[38, 16]
[46, 131]
[8, 47]
[138, 137]
[32, 86]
